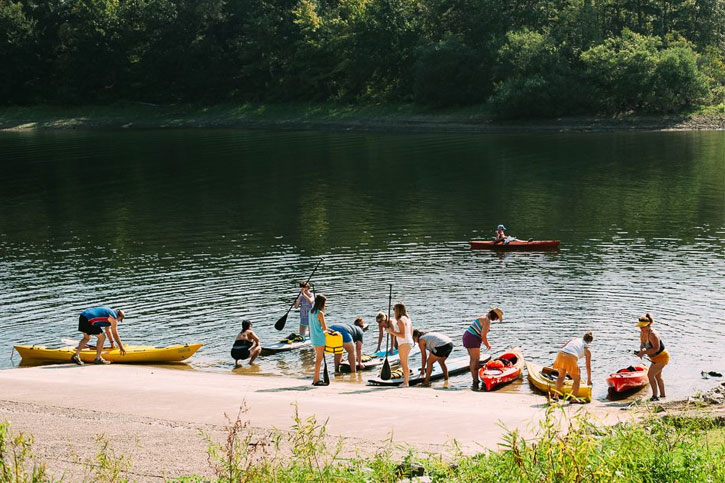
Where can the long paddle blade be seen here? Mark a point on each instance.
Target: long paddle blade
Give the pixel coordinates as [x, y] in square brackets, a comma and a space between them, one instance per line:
[325, 375]
[280, 323]
[385, 372]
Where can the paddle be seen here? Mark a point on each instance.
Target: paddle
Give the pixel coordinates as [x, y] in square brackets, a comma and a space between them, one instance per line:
[325, 375]
[385, 371]
[283, 320]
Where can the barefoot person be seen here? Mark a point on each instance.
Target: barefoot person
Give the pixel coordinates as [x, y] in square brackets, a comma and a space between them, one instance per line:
[402, 328]
[382, 321]
[434, 347]
[567, 362]
[318, 327]
[93, 322]
[246, 345]
[651, 345]
[304, 302]
[352, 342]
[476, 335]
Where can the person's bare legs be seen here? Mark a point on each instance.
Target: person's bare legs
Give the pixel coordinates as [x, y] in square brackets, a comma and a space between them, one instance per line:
[475, 358]
[350, 348]
[429, 367]
[101, 339]
[660, 381]
[559, 383]
[255, 352]
[442, 363]
[575, 386]
[319, 354]
[82, 344]
[303, 330]
[403, 351]
[654, 374]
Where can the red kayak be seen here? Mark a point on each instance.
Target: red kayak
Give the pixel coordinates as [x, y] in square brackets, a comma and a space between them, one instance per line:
[504, 368]
[629, 378]
[515, 245]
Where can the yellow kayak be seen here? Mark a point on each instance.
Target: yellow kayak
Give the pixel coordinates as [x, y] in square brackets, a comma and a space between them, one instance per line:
[548, 383]
[134, 353]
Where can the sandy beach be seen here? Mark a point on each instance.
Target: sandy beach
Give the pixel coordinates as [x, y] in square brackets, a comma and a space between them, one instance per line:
[156, 416]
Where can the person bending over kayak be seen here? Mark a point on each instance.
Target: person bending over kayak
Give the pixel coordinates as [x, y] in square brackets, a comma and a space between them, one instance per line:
[92, 322]
[651, 345]
[246, 345]
[318, 327]
[352, 342]
[402, 328]
[434, 347]
[567, 362]
[304, 301]
[475, 335]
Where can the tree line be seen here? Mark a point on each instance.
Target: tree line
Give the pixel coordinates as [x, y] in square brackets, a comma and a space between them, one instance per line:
[521, 57]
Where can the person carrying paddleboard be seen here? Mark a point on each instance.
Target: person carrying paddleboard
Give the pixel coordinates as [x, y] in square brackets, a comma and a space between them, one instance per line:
[402, 328]
[567, 362]
[475, 335]
[304, 303]
[318, 327]
[434, 347]
[651, 345]
[246, 345]
[93, 322]
[352, 342]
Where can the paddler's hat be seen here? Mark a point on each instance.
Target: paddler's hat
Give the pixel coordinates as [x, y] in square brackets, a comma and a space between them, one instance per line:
[645, 320]
[498, 312]
[500, 227]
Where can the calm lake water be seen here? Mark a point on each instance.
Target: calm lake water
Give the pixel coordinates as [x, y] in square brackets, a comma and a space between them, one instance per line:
[191, 231]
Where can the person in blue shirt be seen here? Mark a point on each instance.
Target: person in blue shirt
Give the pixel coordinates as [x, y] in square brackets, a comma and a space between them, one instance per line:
[93, 322]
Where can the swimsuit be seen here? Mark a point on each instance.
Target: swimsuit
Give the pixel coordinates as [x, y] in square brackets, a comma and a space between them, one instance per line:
[240, 349]
[317, 336]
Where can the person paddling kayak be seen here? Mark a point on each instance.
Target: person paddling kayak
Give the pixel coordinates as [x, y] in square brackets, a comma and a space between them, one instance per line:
[93, 322]
[352, 342]
[651, 345]
[500, 235]
[246, 345]
[434, 347]
[567, 362]
[475, 335]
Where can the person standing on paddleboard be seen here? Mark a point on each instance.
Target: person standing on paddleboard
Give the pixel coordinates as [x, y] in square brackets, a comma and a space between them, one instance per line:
[404, 337]
[475, 335]
[567, 362]
[434, 347]
[651, 345]
[246, 345]
[382, 321]
[352, 342]
[318, 327]
[304, 303]
[92, 322]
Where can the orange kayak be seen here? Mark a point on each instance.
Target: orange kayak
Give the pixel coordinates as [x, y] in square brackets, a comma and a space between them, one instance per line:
[632, 377]
[515, 245]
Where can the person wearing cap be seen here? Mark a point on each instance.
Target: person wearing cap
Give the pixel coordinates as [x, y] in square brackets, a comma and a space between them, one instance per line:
[246, 345]
[651, 345]
[500, 235]
[475, 335]
[352, 342]
[93, 321]
[304, 301]
[567, 362]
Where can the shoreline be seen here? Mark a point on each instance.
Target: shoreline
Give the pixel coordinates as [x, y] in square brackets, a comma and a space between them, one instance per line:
[326, 117]
[156, 415]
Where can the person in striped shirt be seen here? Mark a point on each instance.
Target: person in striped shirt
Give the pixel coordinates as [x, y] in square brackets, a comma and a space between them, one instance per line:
[93, 322]
[475, 335]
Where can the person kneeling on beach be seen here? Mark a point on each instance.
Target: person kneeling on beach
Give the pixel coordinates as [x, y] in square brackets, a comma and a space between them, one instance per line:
[352, 342]
[92, 322]
[434, 347]
[246, 345]
[567, 362]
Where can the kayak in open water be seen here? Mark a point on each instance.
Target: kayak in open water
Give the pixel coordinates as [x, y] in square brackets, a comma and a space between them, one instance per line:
[544, 379]
[630, 378]
[134, 353]
[515, 245]
[502, 369]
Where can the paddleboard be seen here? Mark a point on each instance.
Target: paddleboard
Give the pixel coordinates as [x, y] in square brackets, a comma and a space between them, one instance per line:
[375, 361]
[455, 366]
[283, 346]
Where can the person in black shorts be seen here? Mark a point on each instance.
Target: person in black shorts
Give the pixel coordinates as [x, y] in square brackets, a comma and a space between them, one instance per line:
[434, 347]
[246, 345]
[94, 321]
[352, 342]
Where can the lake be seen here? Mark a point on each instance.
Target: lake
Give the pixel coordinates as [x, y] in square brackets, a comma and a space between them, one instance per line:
[192, 231]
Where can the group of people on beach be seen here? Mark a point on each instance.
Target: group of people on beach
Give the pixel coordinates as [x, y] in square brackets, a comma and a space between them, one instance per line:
[435, 347]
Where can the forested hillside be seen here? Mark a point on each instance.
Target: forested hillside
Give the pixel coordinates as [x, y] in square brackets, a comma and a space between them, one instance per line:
[522, 57]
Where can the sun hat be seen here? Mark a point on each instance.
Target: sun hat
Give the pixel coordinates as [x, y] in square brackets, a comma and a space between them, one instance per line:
[500, 227]
[645, 320]
[498, 312]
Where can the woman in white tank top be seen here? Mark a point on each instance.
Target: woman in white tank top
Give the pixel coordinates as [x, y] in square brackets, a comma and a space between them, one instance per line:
[404, 336]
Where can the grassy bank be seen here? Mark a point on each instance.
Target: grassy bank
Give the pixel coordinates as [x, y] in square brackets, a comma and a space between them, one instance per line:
[670, 448]
[404, 117]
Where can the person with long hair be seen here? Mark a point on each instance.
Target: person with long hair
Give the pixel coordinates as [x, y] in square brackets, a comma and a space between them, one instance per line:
[651, 345]
[246, 345]
[475, 335]
[318, 327]
[404, 337]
